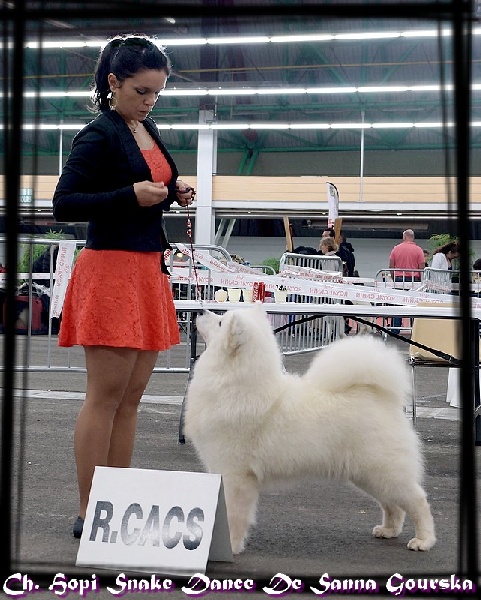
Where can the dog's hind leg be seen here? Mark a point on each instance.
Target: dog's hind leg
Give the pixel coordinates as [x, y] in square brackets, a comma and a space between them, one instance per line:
[241, 495]
[392, 522]
[413, 502]
[400, 498]
[418, 509]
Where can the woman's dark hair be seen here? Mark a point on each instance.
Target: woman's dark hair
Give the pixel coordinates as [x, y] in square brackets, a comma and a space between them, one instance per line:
[449, 247]
[124, 56]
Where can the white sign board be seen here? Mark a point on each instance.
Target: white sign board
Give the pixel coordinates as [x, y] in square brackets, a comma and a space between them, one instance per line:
[166, 522]
[26, 195]
[332, 203]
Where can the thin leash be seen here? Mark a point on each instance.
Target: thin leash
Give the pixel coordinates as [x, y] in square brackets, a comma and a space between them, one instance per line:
[447, 357]
[193, 332]
[198, 294]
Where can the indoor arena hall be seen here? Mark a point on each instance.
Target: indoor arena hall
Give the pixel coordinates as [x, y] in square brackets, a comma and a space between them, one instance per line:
[240, 298]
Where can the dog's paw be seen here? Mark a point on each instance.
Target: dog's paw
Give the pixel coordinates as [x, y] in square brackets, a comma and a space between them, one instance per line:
[418, 544]
[384, 532]
[237, 546]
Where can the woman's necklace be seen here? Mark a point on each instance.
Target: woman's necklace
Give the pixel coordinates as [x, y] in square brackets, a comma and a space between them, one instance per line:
[133, 128]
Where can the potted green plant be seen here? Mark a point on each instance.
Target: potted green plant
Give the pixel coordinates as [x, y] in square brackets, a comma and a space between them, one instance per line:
[30, 252]
[272, 262]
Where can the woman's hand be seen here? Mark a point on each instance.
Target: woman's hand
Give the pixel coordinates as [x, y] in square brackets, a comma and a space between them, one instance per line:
[149, 194]
[185, 194]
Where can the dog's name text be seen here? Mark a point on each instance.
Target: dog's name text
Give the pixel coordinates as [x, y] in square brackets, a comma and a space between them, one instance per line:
[20, 585]
[282, 584]
[200, 584]
[124, 584]
[140, 526]
[398, 585]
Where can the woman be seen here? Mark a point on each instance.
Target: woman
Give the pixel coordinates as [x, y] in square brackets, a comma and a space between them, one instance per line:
[119, 178]
[327, 246]
[444, 255]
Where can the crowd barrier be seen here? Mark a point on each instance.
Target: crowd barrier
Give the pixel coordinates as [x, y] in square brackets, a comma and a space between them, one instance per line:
[208, 274]
[423, 283]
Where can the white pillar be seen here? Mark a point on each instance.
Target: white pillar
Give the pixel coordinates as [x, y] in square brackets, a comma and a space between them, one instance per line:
[206, 168]
[361, 174]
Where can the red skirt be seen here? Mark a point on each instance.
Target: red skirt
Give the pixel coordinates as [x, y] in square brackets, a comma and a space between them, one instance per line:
[120, 299]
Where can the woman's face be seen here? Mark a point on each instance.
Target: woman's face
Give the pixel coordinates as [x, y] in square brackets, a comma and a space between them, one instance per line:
[136, 96]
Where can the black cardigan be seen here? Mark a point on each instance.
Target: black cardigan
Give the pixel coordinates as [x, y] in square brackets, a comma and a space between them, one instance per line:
[96, 186]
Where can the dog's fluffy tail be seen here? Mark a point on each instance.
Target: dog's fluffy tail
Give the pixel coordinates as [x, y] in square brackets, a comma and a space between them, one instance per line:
[361, 360]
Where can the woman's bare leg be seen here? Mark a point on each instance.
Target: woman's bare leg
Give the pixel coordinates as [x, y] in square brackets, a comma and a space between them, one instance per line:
[122, 437]
[111, 374]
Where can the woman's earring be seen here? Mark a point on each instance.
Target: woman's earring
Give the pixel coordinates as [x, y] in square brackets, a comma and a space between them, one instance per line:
[112, 100]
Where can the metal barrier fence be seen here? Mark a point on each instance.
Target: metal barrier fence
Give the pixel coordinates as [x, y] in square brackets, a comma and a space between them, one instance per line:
[429, 280]
[400, 279]
[317, 333]
[37, 282]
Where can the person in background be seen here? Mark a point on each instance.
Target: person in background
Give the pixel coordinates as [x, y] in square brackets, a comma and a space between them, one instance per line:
[477, 275]
[327, 246]
[346, 252]
[406, 255]
[119, 177]
[42, 265]
[307, 250]
[444, 255]
[427, 257]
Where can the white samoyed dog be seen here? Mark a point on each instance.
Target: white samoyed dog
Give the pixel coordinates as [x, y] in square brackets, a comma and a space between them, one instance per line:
[255, 424]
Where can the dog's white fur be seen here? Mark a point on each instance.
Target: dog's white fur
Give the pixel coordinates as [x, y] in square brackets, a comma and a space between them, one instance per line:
[254, 423]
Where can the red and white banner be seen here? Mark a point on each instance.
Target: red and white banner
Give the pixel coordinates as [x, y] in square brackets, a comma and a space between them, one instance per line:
[66, 253]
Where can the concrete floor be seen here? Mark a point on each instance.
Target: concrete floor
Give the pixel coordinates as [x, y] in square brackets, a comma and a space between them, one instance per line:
[304, 531]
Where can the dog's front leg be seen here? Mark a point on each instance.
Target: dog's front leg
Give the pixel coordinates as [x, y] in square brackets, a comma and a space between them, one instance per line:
[241, 494]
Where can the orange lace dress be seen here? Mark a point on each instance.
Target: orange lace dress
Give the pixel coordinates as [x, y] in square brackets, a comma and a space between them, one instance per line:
[120, 298]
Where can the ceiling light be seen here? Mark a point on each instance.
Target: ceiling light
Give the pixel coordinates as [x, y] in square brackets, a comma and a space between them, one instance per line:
[434, 124]
[425, 33]
[280, 125]
[341, 89]
[253, 39]
[309, 126]
[308, 37]
[294, 38]
[229, 126]
[183, 92]
[368, 35]
[180, 41]
[246, 91]
[391, 125]
[350, 125]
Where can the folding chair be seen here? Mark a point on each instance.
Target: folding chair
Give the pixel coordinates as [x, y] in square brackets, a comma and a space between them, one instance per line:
[441, 335]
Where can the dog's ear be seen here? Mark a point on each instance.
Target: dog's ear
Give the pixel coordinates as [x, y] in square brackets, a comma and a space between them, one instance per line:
[259, 306]
[260, 309]
[207, 323]
[233, 333]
